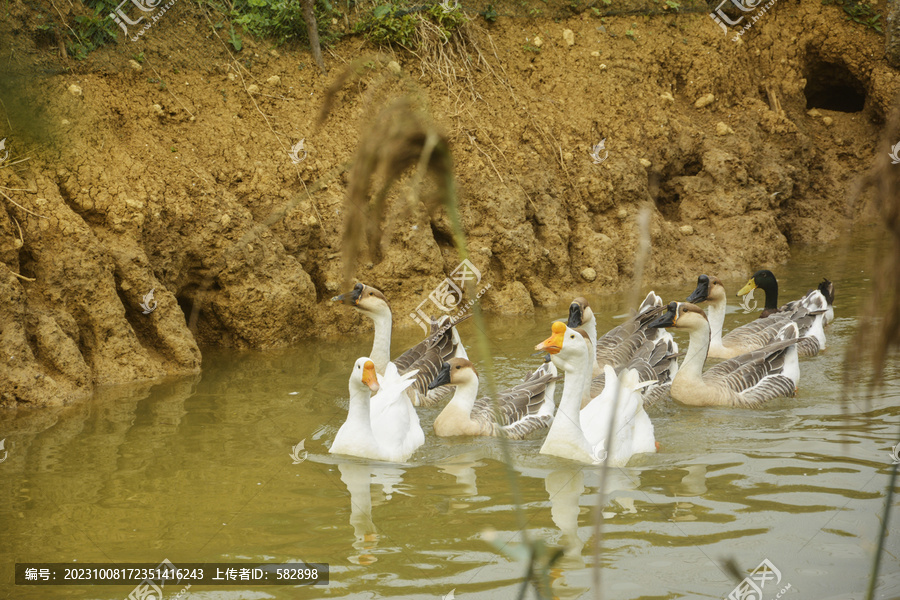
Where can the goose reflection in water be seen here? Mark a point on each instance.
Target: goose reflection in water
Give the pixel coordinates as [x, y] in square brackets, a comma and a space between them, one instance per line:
[358, 477]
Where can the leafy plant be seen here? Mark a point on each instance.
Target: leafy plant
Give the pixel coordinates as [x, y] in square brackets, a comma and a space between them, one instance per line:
[631, 32]
[283, 19]
[859, 12]
[389, 25]
[92, 31]
[235, 40]
[490, 14]
[138, 58]
[448, 20]
[673, 5]
[531, 48]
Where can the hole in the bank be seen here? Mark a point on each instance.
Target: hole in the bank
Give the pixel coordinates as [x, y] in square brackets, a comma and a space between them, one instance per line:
[441, 238]
[186, 305]
[833, 87]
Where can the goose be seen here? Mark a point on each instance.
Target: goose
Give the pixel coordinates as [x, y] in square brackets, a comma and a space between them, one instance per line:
[523, 409]
[765, 280]
[580, 433]
[426, 357]
[808, 313]
[380, 427]
[631, 345]
[748, 380]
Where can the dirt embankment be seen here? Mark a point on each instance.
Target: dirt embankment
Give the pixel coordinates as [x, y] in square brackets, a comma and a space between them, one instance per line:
[174, 175]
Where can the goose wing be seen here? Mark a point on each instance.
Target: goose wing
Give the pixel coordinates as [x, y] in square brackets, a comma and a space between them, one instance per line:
[757, 376]
[438, 348]
[519, 407]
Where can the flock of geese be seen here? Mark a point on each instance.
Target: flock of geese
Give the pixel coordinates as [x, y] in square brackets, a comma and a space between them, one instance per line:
[607, 381]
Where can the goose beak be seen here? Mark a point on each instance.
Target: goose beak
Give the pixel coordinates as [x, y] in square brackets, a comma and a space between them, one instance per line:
[351, 297]
[751, 285]
[701, 293]
[442, 378]
[576, 315]
[553, 344]
[369, 377]
[668, 319]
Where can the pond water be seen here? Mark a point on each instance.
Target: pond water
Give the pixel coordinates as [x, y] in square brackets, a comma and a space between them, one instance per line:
[200, 470]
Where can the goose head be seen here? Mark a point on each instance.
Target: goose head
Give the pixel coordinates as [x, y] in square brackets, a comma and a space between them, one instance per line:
[363, 376]
[365, 299]
[579, 312]
[682, 315]
[764, 280]
[568, 347]
[456, 371]
[709, 289]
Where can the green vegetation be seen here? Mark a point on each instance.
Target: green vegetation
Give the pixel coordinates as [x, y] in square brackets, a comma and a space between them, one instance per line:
[282, 20]
[631, 32]
[859, 12]
[92, 31]
[388, 24]
[490, 14]
[391, 24]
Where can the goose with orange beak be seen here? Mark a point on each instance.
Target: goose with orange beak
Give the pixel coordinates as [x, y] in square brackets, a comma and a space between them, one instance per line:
[748, 380]
[652, 352]
[380, 427]
[426, 357]
[580, 434]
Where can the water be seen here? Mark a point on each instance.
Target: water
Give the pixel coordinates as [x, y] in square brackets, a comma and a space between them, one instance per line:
[199, 469]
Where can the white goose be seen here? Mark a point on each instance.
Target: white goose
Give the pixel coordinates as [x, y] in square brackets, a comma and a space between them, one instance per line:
[523, 409]
[381, 427]
[580, 434]
[747, 380]
[809, 313]
[426, 357]
[652, 352]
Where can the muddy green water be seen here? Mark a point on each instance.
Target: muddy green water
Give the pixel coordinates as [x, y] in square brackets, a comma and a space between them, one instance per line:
[199, 469]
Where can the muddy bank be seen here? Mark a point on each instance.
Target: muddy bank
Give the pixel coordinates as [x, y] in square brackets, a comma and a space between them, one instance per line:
[174, 175]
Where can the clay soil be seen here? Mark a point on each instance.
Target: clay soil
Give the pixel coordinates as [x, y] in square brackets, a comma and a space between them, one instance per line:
[173, 174]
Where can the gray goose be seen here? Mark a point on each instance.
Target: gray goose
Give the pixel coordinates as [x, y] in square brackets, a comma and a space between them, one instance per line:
[427, 356]
[809, 313]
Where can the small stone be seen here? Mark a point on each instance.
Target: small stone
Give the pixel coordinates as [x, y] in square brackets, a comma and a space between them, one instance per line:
[827, 120]
[253, 88]
[568, 157]
[704, 101]
[135, 65]
[486, 251]
[158, 110]
[225, 220]
[274, 52]
[589, 274]
[622, 214]
[645, 162]
[814, 112]
[545, 252]
[595, 53]
[668, 97]
[394, 67]
[75, 90]
[64, 122]
[569, 37]
[538, 42]
[723, 129]
[231, 77]
[602, 67]
[686, 230]
[273, 80]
